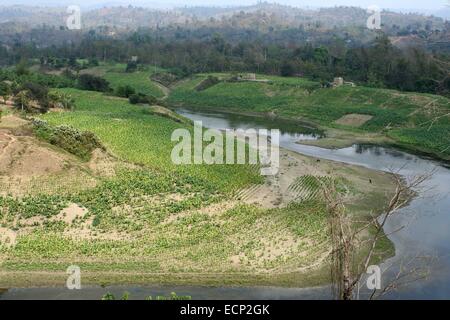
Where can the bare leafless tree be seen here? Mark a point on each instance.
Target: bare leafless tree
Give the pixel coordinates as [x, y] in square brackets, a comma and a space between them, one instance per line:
[348, 235]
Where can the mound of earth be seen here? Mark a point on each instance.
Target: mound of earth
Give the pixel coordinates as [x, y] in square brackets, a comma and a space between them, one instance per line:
[354, 119]
[28, 165]
[23, 156]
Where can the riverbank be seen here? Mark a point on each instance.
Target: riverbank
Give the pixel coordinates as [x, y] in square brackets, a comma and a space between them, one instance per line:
[310, 270]
[339, 138]
[158, 234]
[330, 137]
[411, 121]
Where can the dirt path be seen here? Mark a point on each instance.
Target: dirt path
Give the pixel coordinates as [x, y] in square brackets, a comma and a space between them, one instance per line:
[9, 142]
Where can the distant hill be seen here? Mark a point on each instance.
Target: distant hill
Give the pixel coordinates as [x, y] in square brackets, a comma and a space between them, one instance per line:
[270, 22]
[126, 17]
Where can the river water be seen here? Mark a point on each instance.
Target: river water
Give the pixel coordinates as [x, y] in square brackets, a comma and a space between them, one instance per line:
[423, 240]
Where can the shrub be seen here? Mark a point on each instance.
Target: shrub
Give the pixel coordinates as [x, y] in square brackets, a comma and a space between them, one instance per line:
[125, 91]
[142, 98]
[5, 90]
[61, 100]
[287, 69]
[131, 66]
[79, 143]
[92, 83]
[134, 99]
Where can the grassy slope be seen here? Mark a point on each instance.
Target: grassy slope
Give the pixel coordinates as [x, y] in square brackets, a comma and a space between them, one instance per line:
[137, 135]
[404, 117]
[140, 80]
[149, 224]
[136, 239]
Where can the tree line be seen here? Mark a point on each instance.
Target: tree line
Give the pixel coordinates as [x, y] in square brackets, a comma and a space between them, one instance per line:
[377, 64]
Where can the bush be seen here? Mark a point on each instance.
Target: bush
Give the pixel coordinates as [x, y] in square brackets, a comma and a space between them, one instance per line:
[134, 99]
[142, 98]
[93, 83]
[287, 69]
[125, 91]
[79, 143]
[35, 93]
[5, 89]
[131, 66]
[61, 100]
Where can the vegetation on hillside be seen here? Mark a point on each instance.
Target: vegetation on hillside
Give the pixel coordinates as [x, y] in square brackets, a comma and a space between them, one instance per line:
[412, 119]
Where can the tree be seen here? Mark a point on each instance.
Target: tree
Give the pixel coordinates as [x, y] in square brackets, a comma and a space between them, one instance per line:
[125, 91]
[92, 83]
[37, 92]
[21, 99]
[287, 69]
[61, 100]
[22, 68]
[5, 90]
[347, 234]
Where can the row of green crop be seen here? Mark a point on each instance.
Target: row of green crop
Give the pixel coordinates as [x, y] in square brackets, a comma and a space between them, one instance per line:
[292, 97]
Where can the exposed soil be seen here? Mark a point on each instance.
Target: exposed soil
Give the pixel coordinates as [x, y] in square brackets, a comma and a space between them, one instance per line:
[354, 119]
[71, 213]
[28, 165]
[23, 156]
[102, 164]
[7, 237]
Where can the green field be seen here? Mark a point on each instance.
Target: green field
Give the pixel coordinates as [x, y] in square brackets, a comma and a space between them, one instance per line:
[152, 218]
[150, 221]
[407, 118]
[140, 80]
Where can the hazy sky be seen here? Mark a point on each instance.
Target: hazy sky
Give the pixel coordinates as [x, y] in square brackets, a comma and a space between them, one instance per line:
[397, 4]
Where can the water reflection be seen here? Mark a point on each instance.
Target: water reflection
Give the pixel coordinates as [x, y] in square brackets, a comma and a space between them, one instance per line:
[288, 129]
[427, 217]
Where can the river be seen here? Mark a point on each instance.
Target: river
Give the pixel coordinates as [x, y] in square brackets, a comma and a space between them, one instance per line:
[426, 221]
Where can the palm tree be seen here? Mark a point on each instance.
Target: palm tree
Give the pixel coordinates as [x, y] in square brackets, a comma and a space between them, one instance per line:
[67, 101]
[64, 100]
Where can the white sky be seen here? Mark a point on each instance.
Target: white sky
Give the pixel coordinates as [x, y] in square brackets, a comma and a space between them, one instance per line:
[397, 4]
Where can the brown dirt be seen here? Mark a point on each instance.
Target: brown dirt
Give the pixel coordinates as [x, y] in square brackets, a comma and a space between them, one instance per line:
[354, 119]
[71, 213]
[23, 156]
[28, 165]
[7, 237]
[276, 192]
[211, 210]
[102, 164]
[11, 121]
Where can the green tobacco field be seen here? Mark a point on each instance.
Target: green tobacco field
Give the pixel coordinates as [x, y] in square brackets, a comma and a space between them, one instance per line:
[128, 215]
[140, 80]
[413, 120]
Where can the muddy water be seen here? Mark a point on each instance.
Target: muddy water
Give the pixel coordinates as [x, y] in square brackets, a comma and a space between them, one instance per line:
[426, 220]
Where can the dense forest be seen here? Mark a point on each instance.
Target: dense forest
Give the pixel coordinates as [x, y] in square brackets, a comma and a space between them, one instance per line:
[379, 64]
[410, 52]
